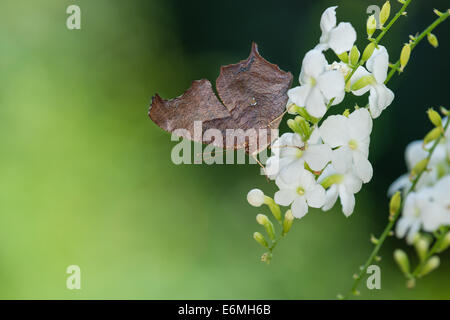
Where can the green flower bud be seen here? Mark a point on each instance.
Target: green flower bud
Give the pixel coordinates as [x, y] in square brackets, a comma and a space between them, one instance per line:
[304, 126]
[354, 56]
[419, 167]
[434, 117]
[432, 39]
[267, 224]
[385, 12]
[404, 56]
[274, 208]
[402, 260]
[362, 82]
[343, 57]
[445, 242]
[395, 203]
[444, 111]
[288, 221]
[430, 265]
[422, 245]
[432, 135]
[346, 113]
[260, 239]
[367, 53]
[371, 25]
[330, 180]
[294, 126]
[303, 113]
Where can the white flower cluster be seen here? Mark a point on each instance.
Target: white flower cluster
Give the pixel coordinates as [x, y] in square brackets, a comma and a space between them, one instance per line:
[426, 208]
[315, 164]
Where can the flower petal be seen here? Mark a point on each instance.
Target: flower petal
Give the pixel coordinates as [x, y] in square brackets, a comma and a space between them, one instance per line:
[360, 124]
[334, 131]
[363, 167]
[317, 156]
[284, 197]
[378, 64]
[380, 98]
[347, 201]
[330, 197]
[328, 19]
[315, 196]
[315, 104]
[299, 207]
[299, 94]
[313, 64]
[331, 83]
[342, 38]
[341, 159]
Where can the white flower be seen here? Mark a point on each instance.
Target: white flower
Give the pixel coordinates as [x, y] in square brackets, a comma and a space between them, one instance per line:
[256, 197]
[317, 85]
[351, 136]
[439, 212]
[339, 38]
[344, 186]
[291, 153]
[416, 204]
[414, 152]
[301, 190]
[380, 96]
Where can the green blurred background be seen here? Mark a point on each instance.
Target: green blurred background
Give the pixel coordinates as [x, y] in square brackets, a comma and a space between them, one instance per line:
[86, 177]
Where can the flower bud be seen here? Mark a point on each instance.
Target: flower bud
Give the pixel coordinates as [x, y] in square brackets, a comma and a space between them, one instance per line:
[354, 56]
[432, 39]
[343, 57]
[402, 260]
[430, 265]
[419, 167]
[445, 242]
[434, 117]
[255, 197]
[362, 82]
[346, 113]
[260, 239]
[444, 111]
[330, 180]
[385, 12]
[432, 135]
[422, 244]
[274, 208]
[371, 25]
[267, 224]
[303, 113]
[304, 126]
[293, 125]
[288, 221]
[404, 56]
[368, 52]
[291, 107]
[395, 203]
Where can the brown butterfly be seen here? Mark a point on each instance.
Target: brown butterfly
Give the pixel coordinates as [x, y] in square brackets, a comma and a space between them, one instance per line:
[252, 99]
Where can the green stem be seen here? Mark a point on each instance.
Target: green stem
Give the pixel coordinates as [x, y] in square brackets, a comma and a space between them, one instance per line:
[380, 36]
[417, 39]
[392, 221]
[435, 249]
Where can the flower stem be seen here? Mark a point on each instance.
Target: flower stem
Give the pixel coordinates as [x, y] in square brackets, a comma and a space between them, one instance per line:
[380, 36]
[435, 249]
[390, 225]
[417, 39]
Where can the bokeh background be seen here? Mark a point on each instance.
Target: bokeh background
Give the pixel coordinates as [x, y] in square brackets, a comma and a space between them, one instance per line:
[86, 177]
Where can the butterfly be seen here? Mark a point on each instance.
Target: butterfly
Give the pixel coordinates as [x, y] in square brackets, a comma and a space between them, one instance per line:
[252, 97]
